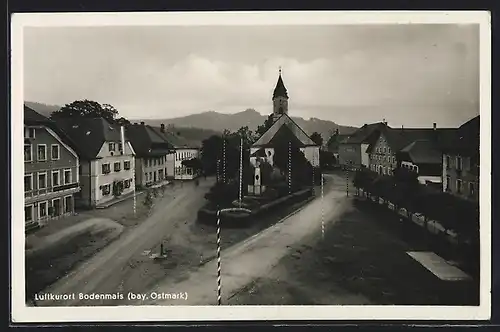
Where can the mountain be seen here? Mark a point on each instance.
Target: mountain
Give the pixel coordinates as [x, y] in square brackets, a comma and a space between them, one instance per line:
[219, 121]
[43, 109]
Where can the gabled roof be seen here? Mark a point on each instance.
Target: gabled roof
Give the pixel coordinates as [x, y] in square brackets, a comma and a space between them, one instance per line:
[401, 137]
[177, 141]
[284, 120]
[259, 153]
[146, 141]
[366, 134]
[31, 117]
[422, 152]
[89, 134]
[280, 90]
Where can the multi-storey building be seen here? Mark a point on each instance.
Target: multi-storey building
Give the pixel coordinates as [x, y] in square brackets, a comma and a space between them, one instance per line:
[151, 150]
[461, 162]
[50, 170]
[107, 166]
[184, 150]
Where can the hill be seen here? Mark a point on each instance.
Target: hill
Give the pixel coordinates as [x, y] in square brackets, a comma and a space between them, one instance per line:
[219, 121]
[43, 109]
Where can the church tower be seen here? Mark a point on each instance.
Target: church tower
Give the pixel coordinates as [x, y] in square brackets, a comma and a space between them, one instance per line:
[280, 99]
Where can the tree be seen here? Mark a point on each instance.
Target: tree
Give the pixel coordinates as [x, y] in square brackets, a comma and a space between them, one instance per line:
[326, 159]
[265, 126]
[122, 121]
[86, 109]
[193, 163]
[316, 138]
[301, 168]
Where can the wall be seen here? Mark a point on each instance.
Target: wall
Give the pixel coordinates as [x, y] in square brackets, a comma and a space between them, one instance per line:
[365, 156]
[464, 173]
[65, 184]
[170, 165]
[180, 171]
[151, 169]
[107, 179]
[312, 154]
[382, 158]
[350, 154]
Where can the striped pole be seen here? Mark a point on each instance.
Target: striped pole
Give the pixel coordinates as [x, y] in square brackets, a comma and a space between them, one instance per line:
[289, 167]
[224, 160]
[241, 167]
[218, 260]
[347, 181]
[322, 210]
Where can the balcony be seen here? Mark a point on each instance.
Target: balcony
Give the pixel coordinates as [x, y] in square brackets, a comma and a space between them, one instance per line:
[65, 187]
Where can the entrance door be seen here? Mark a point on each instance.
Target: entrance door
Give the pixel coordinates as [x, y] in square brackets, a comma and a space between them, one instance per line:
[68, 204]
[57, 207]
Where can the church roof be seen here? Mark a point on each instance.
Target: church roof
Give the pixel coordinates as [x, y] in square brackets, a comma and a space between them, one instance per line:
[280, 90]
[268, 138]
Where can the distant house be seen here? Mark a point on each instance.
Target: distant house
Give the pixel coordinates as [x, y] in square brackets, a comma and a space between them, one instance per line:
[107, 168]
[184, 150]
[414, 148]
[50, 170]
[284, 129]
[333, 144]
[353, 152]
[460, 162]
[151, 150]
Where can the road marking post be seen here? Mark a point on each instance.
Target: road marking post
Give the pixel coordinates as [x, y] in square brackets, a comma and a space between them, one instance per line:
[241, 168]
[347, 181]
[289, 167]
[218, 260]
[322, 210]
[224, 160]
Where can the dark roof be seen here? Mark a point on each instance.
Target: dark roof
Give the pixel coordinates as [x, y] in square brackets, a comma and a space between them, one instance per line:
[31, 117]
[177, 141]
[333, 144]
[466, 139]
[398, 138]
[146, 141]
[280, 90]
[284, 120]
[89, 134]
[365, 134]
[259, 153]
[285, 135]
[422, 152]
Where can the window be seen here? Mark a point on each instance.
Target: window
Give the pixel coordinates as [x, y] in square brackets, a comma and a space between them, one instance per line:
[67, 176]
[42, 209]
[472, 190]
[112, 147]
[448, 180]
[106, 168]
[459, 163]
[160, 174]
[28, 153]
[459, 186]
[106, 189]
[126, 165]
[154, 162]
[126, 183]
[120, 147]
[28, 213]
[55, 178]
[42, 180]
[42, 152]
[150, 176]
[68, 204]
[117, 166]
[448, 162]
[54, 155]
[29, 132]
[28, 182]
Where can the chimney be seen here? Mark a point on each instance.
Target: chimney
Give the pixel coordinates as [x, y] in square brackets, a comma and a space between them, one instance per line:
[434, 126]
[162, 127]
[337, 131]
[142, 123]
[122, 135]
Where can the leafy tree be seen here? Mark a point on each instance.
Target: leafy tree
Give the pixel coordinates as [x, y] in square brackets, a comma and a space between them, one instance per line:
[326, 159]
[265, 126]
[122, 121]
[301, 170]
[86, 109]
[148, 200]
[316, 138]
[193, 163]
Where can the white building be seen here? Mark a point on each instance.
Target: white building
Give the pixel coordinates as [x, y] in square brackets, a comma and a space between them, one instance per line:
[107, 168]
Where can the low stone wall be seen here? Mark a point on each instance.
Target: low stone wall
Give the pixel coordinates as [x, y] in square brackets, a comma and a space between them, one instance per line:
[236, 220]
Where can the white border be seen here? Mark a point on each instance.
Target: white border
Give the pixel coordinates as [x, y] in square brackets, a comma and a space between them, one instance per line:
[21, 313]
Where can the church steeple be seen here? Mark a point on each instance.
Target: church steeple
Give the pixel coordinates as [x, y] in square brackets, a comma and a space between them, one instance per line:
[280, 98]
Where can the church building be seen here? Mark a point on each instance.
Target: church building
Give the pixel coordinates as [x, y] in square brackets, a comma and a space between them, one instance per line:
[282, 130]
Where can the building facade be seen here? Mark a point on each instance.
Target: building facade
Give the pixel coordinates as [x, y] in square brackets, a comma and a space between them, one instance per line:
[51, 176]
[461, 162]
[152, 151]
[382, 159]
[181, 172]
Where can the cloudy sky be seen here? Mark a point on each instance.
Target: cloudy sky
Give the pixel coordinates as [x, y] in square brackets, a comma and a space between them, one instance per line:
[407, 74]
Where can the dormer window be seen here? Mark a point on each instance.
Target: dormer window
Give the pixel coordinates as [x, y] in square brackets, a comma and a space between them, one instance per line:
[112, 147]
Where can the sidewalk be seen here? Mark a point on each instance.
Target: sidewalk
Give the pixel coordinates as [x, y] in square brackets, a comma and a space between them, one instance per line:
[118, 200]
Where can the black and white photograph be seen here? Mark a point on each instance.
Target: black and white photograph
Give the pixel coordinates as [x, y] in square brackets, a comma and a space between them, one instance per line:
[251, 165]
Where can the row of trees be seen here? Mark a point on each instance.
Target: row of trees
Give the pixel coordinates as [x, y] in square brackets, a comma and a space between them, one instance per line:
[89, 109]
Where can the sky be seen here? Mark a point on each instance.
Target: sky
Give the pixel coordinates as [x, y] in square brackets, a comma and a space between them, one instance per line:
[408, 74]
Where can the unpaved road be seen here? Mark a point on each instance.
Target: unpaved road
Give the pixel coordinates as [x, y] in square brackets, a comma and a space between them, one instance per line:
[102, 273]
[255, 257]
